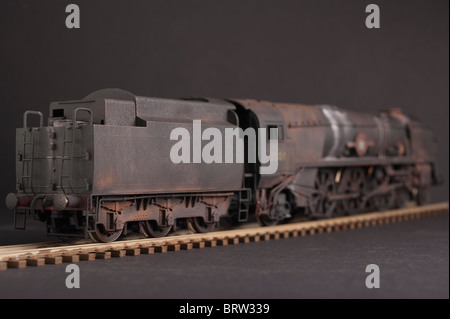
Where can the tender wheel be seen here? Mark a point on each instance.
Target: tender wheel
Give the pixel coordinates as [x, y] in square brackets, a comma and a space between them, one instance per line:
[102, 236]
[198, 225]
[150, 228]
[319, 205]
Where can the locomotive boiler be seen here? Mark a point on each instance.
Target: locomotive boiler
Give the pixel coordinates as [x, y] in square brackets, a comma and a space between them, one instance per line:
[102, 165]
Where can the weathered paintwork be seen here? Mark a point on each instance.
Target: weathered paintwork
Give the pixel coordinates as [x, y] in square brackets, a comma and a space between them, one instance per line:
[103, 162]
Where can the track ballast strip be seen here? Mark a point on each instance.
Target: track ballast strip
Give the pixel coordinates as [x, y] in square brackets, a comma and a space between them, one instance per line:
[21, 256]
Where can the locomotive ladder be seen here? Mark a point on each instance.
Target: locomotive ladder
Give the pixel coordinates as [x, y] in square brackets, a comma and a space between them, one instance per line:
[244, 198]
[27, 166]
[244, 204]
[64, 158]
[26, 179]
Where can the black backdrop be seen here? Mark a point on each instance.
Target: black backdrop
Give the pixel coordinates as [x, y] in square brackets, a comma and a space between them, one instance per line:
[286, 51]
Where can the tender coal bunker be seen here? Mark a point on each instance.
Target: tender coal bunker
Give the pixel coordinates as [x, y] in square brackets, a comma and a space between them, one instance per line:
[58, 113]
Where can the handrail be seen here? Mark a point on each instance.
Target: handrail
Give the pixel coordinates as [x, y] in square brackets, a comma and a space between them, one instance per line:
[25, 116]
[91, 118]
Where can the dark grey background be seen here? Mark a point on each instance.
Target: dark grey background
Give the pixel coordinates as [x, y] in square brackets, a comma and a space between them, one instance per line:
[286, 51]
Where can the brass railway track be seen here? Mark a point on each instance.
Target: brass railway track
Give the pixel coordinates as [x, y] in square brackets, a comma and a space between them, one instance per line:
[21, 256]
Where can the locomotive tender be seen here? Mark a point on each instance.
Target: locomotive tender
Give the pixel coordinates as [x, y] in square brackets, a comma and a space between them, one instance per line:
[102, 163]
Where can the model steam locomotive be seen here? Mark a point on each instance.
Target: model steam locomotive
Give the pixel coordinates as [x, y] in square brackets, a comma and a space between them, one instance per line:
[102, 165]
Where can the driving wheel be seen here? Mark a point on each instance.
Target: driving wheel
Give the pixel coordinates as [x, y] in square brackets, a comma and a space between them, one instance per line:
[319, 205]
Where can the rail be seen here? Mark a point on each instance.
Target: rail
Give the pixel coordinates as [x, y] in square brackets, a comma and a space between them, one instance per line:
[38, 254]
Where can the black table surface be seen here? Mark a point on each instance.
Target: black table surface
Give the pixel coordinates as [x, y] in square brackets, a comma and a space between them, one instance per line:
[413, 258]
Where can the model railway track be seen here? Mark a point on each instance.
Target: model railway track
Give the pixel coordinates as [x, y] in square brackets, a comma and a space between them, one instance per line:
[21, 256]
